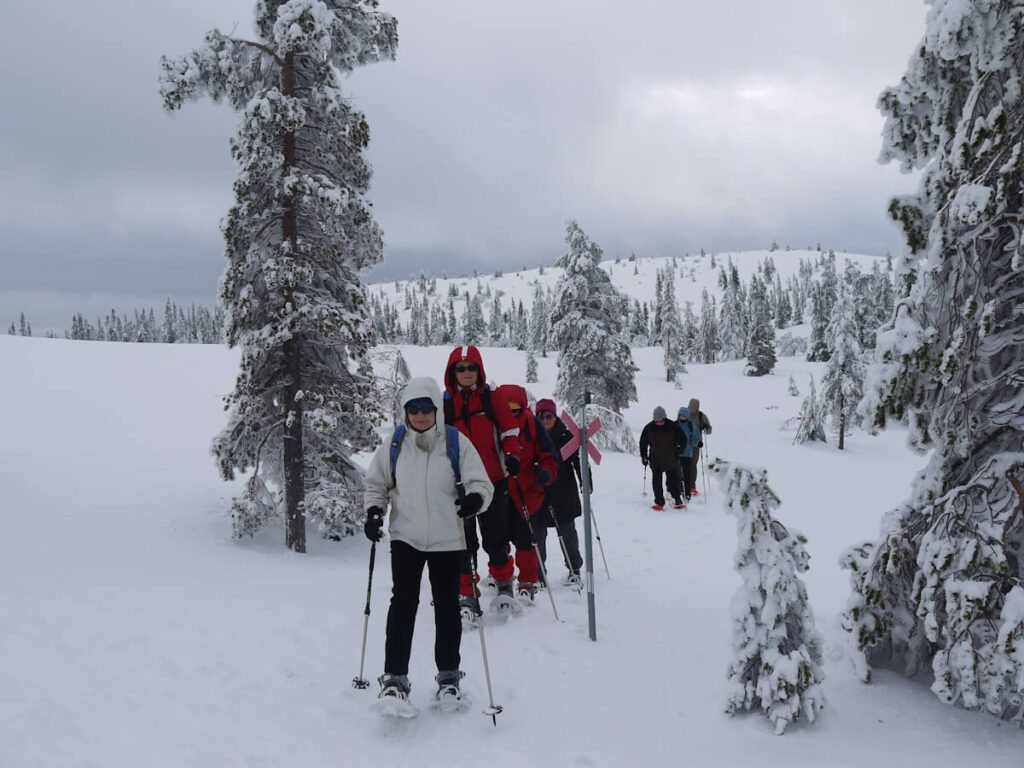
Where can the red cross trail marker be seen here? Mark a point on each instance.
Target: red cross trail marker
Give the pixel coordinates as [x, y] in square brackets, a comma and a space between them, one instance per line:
[573, 444]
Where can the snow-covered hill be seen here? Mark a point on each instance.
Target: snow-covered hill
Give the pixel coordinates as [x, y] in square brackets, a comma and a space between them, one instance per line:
[636, 278]
[135, 632]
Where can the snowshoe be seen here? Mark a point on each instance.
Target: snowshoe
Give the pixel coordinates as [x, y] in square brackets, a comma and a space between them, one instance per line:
[449, 696]
[393, 699]
[469, 607]
[489, 582]
[657, 507]
[693, 492]
[575, 581]
[526, 591]
[679, 505]
[504, 604]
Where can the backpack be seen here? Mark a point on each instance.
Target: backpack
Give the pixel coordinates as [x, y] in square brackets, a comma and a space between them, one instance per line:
[451, 437]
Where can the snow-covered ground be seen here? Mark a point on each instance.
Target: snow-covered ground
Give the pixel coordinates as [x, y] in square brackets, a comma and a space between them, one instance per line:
[135, 632]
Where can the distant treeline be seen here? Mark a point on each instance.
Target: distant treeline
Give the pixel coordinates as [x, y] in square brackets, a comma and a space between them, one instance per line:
[196, 325]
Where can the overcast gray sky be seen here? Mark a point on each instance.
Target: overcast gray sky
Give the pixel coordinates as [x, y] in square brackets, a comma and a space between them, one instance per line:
[663, 126]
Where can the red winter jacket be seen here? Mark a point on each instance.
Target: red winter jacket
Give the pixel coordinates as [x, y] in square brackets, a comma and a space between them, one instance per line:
[476, 414]
[535, 453]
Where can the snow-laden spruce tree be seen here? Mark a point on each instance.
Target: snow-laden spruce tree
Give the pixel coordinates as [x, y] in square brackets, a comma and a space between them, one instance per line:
[842, 386]
[776, 665]
[732, 320]
[707, 343]
[812, 417]
[297, 237]
[791, 387]
[672, 340]
[539, 322]
[474, 327]
[942, 585]
[761, 344]
[817, 347]
[587, 316]
[531, 367]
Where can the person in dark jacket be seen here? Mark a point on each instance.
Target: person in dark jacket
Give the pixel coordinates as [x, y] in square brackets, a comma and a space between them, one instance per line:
[661, 444]
[526, 490]
[562, 497]
[703, 424]
[691, 443]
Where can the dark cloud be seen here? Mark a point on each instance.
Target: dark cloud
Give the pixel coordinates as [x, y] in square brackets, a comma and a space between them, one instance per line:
[662, 126]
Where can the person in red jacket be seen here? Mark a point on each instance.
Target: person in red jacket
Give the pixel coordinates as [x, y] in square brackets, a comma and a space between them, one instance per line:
[526, 490]
[494, 432]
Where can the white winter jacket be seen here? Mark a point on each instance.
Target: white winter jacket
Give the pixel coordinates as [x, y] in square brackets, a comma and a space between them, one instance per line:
[423, 510]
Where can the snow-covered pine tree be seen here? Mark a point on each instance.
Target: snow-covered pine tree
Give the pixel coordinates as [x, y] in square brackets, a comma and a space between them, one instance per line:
[761, 345]
[638, 330]
[11, 331]
[818, 351]
[587, 329]
[474, 328]
[531, 367]
[791, 387]
[777, 652]
[732, 333]
[539, 321]
[842, 386]
[944, 583]
[658, 310]
[707, 332]
[297, 237]
[496, 326]
[690, 332]
[674, 357]
[812, 417]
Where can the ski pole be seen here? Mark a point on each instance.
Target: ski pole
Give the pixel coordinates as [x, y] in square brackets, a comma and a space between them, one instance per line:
[703, 471]
[643, 487]
[493, 710]
[533, 539]
[597, 535]
[359, 682]
[561, 541]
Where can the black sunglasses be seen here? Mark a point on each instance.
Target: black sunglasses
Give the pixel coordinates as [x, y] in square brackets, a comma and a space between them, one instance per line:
[413, 410]
[463, 368]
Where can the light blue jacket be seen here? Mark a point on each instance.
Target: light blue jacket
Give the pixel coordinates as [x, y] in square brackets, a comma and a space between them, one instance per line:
[690, 432]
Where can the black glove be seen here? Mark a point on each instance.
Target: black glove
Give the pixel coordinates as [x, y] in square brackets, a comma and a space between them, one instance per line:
[543, 476]
[644, 460]
[512, 465]
[374, 525]
[469, 505]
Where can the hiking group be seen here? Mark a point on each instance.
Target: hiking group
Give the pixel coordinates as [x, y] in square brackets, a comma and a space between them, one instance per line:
[672, 450]
[493, 464]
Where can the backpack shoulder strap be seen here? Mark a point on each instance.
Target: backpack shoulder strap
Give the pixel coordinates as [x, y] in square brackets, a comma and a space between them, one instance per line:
[488, 406]
[452, 437]
[449, 408]
[396, 446]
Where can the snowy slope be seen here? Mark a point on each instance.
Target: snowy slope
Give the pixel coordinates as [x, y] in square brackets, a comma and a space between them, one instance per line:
[135, 632]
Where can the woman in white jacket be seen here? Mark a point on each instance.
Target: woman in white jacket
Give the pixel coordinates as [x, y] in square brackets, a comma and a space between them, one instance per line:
[426, 528]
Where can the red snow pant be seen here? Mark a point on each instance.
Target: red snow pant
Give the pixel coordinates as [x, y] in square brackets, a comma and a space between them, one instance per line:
[501, 525]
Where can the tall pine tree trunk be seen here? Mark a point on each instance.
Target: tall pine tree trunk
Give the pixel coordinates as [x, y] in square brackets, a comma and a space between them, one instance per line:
[842, 419]
[294, 486]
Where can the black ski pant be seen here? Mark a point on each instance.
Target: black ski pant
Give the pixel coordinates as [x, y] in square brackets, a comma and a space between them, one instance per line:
[564, 525]
[672, 480]
[686, 463]
[694, 466]
[495, 530]
[443, 570]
